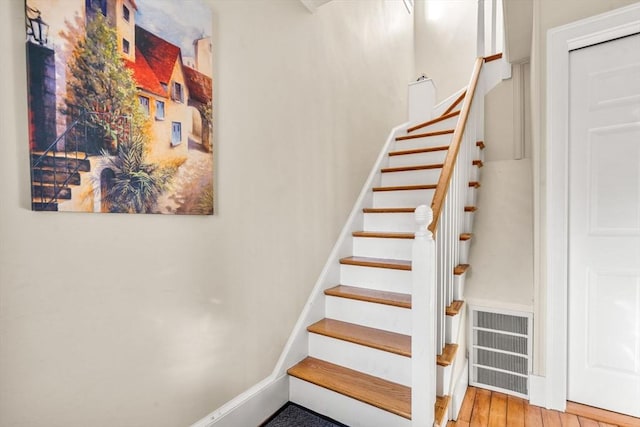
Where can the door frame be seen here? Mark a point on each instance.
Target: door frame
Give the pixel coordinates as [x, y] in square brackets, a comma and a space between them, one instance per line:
[560, 42]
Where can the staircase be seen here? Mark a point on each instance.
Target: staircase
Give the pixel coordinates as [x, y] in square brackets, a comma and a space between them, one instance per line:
[52, 177]
[392, 316]
[55, 170]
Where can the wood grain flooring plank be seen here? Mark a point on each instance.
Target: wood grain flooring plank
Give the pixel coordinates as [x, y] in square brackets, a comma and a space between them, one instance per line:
[467, 405]
[481, 408]
[533, 416]
[569, 420]
[498, 410]
[515, 411]
[587, 422]
[551, 418]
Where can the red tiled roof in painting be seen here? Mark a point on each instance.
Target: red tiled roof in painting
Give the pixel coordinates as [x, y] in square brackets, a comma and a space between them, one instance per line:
[159, 53]
[144, 76]
[200, 85]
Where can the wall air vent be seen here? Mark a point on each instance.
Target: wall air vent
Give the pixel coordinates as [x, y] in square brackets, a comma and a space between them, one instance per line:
[500, 350]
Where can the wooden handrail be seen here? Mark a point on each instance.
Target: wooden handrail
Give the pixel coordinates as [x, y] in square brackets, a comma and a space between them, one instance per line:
[454, 148]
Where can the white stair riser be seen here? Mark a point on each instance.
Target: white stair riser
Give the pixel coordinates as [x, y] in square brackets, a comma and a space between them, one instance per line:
[424, 176]
[402, 198]
[341, 408]
[429, 141]
[373, 315]
[443, 379]
[468, 221]
[379, 363]
[464, 251]
[428, 158]
[458, 286]
[452, 326]
[478, 154]
[398, 222]
[378, 247]
[380, 279]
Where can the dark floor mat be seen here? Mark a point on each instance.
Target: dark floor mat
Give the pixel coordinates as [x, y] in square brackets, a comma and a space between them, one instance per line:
[292, 415]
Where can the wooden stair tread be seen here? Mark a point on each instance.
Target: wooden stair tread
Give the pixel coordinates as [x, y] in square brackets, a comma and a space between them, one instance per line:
[386, 395]
[419, 150]
[433, 121]
[383, 234]
[493, 57]
[363, 335]
[425, 135]
[407, 187]
[388, 210]
[470, 208]
[377, 262]
[454, 308]
[480, 144]
[412, 168]
[461, 269]
[448, 354]
[474, 184]
[466, 236]
[477, 163]
[370, 295]
[442, 407]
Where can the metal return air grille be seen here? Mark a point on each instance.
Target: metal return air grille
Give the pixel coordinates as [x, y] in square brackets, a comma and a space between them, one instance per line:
[500, 356]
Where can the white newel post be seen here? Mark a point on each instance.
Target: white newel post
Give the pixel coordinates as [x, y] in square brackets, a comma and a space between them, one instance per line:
[422, 99]
[423, 349]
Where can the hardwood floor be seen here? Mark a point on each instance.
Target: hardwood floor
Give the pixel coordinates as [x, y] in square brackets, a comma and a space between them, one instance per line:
[484, 408]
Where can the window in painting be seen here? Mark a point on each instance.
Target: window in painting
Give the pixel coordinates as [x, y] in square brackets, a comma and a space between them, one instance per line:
[125, 13]
[176, 133]
[144, 103]
[159, 110]
[177, 92]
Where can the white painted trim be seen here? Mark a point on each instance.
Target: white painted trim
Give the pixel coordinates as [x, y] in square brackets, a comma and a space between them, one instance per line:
[459, 391]
[518, 111]
[560, 41]
[537, 390]
[252, 407]
[605, 35]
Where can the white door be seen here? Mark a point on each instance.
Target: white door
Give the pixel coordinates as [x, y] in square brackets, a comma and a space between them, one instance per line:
[604, 226]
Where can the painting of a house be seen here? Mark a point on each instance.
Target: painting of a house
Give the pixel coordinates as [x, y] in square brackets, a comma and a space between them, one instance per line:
[120, 106]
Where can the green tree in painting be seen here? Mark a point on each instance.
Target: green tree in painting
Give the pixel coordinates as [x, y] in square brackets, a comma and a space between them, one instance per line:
[100, 85]
[101, 92]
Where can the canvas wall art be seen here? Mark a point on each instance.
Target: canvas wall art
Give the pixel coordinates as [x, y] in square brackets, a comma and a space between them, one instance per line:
[120, 105]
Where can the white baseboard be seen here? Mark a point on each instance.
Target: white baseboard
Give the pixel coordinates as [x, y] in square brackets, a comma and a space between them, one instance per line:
[538, 390]
[252, 407]
[459, 391]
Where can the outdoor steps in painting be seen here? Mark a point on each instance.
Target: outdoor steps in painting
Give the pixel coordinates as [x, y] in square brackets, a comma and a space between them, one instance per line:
[52, 179]
[69, 162]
